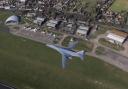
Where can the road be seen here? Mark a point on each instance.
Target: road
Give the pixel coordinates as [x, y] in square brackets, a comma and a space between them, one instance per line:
[64, 36]
[3, 86]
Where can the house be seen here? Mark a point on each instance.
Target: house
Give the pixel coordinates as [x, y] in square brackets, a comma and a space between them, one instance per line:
[82, 31]
[53, 23]
[23, 1]
[117, 37]
[31, 14]
[39, 21]
[69, 25]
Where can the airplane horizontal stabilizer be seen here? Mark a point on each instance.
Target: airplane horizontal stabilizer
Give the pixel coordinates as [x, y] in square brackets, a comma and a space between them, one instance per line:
[81, 54]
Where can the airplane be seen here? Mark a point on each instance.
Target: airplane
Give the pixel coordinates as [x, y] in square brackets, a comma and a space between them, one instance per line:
[67, 52]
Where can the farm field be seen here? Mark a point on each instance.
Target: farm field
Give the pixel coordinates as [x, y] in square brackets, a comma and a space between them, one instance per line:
[26, 64]
[120, 5]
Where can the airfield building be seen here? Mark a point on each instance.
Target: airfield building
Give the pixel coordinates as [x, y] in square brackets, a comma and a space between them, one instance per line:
[12, 20]
[117, 37]
[82, 31]
[39, 21]
[53, 23]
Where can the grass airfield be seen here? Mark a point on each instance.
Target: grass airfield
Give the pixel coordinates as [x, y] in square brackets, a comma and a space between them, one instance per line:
[26, 64]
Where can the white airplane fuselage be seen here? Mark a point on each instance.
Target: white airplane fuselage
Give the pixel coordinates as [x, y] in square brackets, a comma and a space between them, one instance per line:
[65, 51]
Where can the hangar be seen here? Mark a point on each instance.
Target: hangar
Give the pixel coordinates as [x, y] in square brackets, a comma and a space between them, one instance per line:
[117, 37]
[12, 20]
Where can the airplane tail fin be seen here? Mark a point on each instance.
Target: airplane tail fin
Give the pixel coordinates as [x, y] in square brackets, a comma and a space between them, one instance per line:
[81, 54]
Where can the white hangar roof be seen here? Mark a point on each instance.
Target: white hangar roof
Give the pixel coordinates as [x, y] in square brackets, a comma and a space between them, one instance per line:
[12, 18]
[117, 36]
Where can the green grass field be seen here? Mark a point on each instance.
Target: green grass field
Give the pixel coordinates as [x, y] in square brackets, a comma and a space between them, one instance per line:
[26, 64]
[5, 14]
[82, 45]
[120, 5]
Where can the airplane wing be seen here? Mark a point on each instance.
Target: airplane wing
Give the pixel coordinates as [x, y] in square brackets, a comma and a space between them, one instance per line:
[65, 59]
[72, 45]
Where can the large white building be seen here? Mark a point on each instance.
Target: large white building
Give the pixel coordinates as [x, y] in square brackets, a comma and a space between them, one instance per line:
[117, 37]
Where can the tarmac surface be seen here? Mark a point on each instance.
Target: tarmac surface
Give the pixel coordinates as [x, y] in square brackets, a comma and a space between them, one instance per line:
[36, 36]
[118, 59]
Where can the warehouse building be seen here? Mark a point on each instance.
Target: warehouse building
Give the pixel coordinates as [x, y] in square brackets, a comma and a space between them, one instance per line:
[117, 37]
[39, 21]
[53, 23]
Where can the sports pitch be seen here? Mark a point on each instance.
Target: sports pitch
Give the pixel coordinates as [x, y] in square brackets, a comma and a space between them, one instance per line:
[26, 64]
[120, 5]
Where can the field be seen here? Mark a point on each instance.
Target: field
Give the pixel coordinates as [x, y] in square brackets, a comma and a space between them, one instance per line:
[120, 5]
[5, 14]
[82, 44]
[26, 64]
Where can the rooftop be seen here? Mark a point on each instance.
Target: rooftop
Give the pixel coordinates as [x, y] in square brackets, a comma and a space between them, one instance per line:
[119, 33]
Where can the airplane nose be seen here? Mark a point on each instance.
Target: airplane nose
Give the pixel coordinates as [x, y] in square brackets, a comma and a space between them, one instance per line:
[49, 45]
